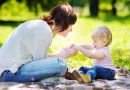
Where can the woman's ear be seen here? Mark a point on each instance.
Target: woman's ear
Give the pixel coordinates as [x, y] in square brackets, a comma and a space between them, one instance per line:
[54, 27]
[51, 23]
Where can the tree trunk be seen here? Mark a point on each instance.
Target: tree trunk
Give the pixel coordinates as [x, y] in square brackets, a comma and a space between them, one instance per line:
[2, 1]
[94, 7]
[113, 7]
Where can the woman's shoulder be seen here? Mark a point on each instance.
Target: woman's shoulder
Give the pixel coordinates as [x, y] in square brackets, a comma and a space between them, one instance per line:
[37, 25]
[36, 22]
[42, 28]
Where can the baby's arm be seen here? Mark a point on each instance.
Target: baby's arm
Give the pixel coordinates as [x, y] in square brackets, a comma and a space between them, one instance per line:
[89, 53]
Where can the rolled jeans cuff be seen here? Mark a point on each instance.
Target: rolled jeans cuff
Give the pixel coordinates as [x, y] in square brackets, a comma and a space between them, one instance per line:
[63, 65]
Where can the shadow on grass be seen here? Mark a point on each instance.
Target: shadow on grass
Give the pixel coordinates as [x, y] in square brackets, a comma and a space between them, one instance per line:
[10, 23]
[121, 62]
[0, 44]
[111, 18]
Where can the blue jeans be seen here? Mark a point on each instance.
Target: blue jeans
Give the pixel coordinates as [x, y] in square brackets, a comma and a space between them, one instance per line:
[36, 70]
[97, 72]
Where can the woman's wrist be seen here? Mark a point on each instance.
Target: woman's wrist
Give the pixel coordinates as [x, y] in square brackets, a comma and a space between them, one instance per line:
[76, 47]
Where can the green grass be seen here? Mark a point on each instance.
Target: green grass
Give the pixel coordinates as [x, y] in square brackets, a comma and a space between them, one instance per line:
[82, 30]
[81, 33]
[12, 10]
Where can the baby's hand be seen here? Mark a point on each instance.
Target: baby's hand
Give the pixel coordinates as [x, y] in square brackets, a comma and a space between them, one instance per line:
[71, 46]
[74, 46]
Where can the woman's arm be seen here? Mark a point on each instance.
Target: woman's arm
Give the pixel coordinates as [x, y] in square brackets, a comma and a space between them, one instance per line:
[64, 53]
[89, 53]
[57, 54]
[86, 46]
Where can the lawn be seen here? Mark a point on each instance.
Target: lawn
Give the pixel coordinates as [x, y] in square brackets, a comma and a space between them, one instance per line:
[120, 47]
[81, 33]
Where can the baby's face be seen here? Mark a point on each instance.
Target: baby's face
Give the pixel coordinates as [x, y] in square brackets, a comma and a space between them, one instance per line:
[97, 43]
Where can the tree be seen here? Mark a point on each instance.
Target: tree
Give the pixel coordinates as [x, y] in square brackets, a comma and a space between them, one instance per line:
[94, 7]
[113, 7]
[78, 3]
[45, 4]
[2, 1]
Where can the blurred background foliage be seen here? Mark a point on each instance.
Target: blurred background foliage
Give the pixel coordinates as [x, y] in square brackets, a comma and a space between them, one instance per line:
[91, 14]
[28, 9]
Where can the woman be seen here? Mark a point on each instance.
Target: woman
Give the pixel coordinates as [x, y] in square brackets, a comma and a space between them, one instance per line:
[24, 57]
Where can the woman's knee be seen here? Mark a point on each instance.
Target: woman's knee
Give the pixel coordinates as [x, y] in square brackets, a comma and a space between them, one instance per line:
[62, 62]
[63, 66]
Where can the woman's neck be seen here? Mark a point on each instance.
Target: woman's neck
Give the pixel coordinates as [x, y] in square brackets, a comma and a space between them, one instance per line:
[53, 33]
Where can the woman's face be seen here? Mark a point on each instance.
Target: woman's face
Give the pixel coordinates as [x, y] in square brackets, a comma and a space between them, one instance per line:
[65, 32]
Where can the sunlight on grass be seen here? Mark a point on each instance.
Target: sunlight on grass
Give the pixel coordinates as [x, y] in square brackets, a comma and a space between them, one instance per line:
[5, 32]
[81, 33]
[119, 25]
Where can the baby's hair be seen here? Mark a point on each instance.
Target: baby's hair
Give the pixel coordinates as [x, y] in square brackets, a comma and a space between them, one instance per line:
[104, 34]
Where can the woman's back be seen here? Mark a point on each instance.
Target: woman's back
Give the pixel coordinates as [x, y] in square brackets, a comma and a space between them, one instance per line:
[29, 41]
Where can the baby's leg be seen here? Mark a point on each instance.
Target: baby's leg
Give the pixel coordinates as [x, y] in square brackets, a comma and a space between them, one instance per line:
[104, 73]
[92, 73]
[83, 69]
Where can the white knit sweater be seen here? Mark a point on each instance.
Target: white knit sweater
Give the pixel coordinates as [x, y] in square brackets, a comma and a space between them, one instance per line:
[29, 41]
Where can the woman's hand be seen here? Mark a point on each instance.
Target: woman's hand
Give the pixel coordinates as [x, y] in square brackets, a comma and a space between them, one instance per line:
[73, 46]
[69, 52]
[64, 53]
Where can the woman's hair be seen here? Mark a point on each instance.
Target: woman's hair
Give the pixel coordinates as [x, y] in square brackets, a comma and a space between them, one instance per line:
[63, 16]
[104, 34]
